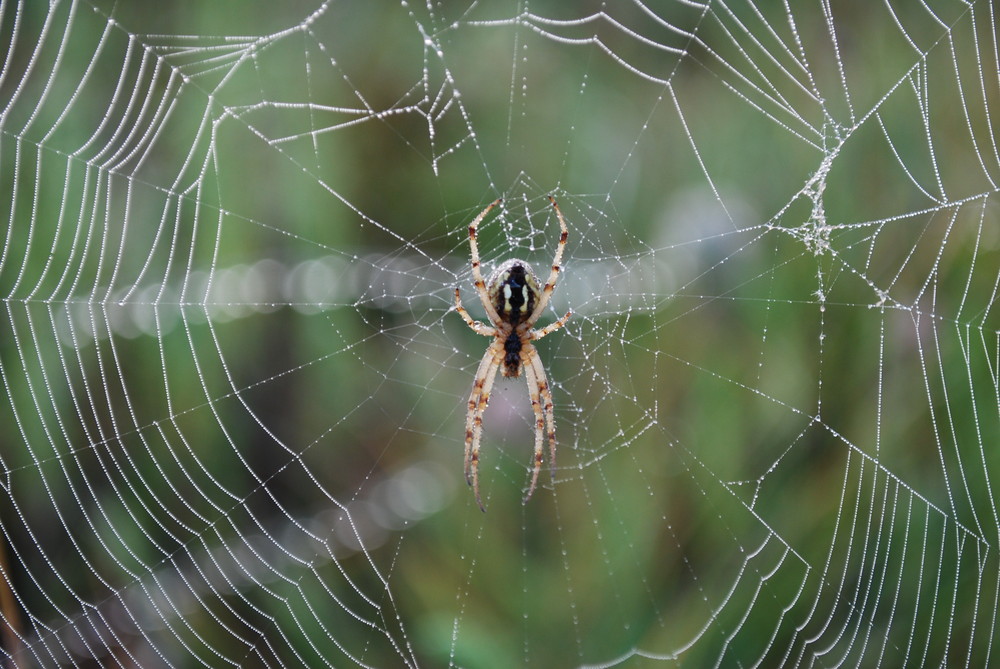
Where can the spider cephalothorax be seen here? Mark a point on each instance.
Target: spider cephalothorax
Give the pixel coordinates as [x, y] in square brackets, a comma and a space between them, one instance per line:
[513, 302]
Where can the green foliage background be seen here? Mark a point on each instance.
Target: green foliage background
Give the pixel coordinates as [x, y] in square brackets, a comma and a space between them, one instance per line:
[780, 443]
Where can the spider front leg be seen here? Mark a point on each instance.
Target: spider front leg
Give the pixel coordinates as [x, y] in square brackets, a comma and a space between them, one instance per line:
[477, 273]
[550, 283]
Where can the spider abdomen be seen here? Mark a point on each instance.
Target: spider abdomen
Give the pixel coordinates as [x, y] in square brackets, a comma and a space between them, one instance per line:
[513, 290]
[512, 355]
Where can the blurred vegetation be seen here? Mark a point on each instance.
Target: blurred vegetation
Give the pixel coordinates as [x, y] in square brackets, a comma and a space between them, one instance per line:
[756, 453]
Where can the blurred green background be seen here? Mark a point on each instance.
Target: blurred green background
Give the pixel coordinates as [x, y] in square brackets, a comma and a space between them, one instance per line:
[235, 389]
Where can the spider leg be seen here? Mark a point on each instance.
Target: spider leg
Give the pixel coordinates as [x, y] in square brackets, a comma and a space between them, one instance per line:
[551, 327]
[477, 327]
[550, 284]
[477, 273]
[536, 405]
[548, 407]
[478, 400]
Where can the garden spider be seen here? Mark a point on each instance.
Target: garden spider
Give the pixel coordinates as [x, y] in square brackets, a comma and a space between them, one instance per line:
[513, 303]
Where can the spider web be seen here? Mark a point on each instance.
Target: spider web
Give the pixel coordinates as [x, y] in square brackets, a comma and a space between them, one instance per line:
[235, 388]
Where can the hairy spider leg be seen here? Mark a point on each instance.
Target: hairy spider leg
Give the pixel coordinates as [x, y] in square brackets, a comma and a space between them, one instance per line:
[477, 273]
[550, 328]
[536, 406]
[548, 406]
[550, 284]
[478, 400]
[477, 327]
[490, 359]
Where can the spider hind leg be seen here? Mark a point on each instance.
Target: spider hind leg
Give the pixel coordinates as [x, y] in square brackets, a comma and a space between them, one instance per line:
[478, 400]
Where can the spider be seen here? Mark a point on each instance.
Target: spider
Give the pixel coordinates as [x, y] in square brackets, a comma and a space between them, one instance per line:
[513, 302]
